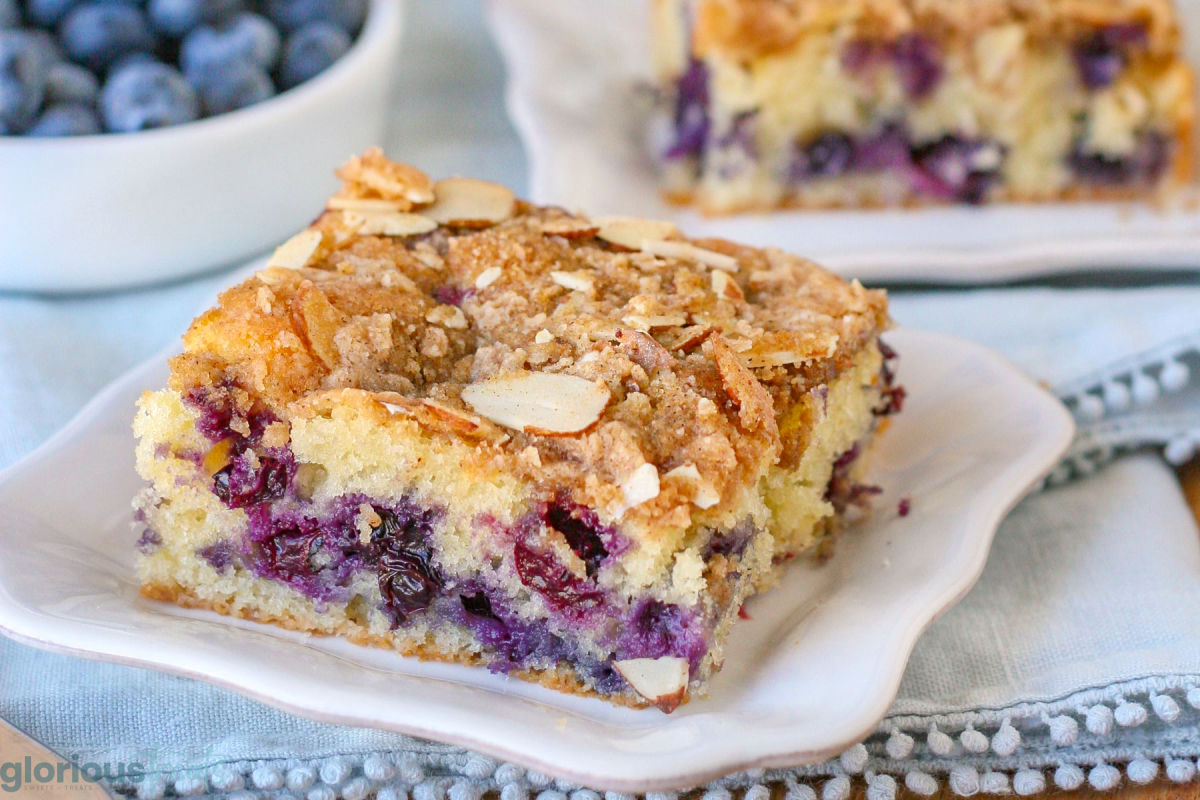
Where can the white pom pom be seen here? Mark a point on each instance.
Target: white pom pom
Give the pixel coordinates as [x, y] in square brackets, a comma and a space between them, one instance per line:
[1029, 781]
[1116, 396]
[1089, 407]
[619, 796]
[537, 780]
[1130, 715]
[973, 741]
[994, 783]
[1100, 720]
[300, 778]
[1144, 389]
[755, 792]
[921, 783]
[1068, 777]
[378, 768]
[1165, 707]
[899, 745]
[514, 791]
[321, 793]
[551, 794]
[836, 788]
[564, 785]
[964, 781]
[360, 789]
[508, 773]
[717, 793]
[190, 787]
[854, 760]
[1142, 770]
[585, 794]
[939, 743]
[479, 767]
[151, 788]
[1007, 740]
[1064, 730]
[224, 779]
[1103, 777]
[1181, 770]
[1174, 376]
[391, 793]
[465, 790]
[242, 795]
[1179, 450]
[881, 787]
[799, 791]
[335, 770]
[267, 778]
[1193, 697]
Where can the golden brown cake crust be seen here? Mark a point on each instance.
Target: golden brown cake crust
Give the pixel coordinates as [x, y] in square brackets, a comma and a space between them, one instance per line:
[700, 344]
[751, 28]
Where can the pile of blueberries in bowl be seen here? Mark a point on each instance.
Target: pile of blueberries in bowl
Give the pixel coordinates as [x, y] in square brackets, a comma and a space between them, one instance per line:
[81, 67]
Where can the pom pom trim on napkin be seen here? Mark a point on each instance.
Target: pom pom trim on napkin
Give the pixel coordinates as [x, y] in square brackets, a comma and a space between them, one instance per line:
[1151, 399]
[1134, 731]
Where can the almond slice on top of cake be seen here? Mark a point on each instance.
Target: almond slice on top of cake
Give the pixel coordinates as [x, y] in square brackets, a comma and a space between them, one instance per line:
[456, 424]
[827, 103]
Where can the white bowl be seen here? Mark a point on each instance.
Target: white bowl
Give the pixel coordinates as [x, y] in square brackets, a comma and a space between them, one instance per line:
[115, 210]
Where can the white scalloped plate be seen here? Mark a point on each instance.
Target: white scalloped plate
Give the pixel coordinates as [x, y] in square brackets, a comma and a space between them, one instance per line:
[811, 672]
[572, 65]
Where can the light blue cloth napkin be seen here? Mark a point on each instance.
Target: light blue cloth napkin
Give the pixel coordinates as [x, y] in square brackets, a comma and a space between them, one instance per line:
[1074, 659]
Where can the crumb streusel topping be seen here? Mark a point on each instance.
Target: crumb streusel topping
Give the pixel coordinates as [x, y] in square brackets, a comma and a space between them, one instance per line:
[573, 351]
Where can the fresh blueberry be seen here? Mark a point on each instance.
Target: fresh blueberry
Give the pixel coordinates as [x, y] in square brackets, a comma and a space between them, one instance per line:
[48, 13]
[958, 169]
[294, 14]
[234, 85]
[691, 120]
[24, 69]
[147, 95]
[10, 14]
[310, 50]
[247, 37]
[66, 120]
[98, 34]
[175, 18]
[826, 156]
[70, 83]
[918, 64]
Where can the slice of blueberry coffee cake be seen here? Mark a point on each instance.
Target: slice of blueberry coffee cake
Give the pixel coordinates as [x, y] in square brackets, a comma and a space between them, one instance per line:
[825, 103]
[449, 422]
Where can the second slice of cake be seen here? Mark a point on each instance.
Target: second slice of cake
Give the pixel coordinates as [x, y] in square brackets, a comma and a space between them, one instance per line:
[462, 426]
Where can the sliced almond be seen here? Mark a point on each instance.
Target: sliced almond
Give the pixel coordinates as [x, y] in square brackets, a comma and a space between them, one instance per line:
[469, 202]
[297, 251]
[367, 204]
[632, 232]
[575, 281]
[691, 337]
[388, 223]
[487, 277]
[755, 407]
[641, 486]
[704, 494]
[570, 228]
[662, 681]
[690, 252]
[447, 316]
[539, 402]
[726, 287]
[644, 350]
[464, 422]
[543, 337]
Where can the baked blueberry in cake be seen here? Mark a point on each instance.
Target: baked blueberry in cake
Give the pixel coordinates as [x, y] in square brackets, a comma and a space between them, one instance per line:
[826, 103]
[449, 422]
